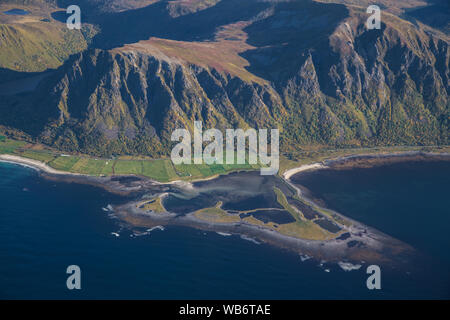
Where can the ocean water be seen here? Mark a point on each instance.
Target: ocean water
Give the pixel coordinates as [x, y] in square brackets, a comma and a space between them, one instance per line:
[46, 226]
[408, 200]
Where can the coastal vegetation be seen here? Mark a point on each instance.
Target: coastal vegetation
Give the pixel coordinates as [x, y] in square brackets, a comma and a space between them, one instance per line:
[155, 205]
[163, 170]
[10, 146]
[301, 228]
[217, 215]
[308, 220]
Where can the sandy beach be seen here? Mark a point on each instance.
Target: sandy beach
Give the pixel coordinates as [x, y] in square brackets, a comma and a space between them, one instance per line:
[34, 164]
[367, 159]
[289, 173]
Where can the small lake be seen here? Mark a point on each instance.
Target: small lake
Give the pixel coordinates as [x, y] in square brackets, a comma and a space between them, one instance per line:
[16, 12]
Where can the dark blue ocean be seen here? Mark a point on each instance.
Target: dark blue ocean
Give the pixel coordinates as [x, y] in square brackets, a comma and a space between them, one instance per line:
[46, 226]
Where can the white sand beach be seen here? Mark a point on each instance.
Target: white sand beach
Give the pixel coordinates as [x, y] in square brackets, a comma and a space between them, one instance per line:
[289, 173]
[38, 165]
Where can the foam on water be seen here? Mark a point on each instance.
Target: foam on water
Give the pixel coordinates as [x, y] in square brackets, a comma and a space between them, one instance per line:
[244, 237]
[347, 266]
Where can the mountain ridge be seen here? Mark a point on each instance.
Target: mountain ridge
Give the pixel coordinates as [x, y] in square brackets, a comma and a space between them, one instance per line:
[316, 74]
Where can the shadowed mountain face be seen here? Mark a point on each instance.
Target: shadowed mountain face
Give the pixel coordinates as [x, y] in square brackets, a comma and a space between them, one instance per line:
[165, 19]
[311, 69]
[436, 15]
[97, 7]
[286, 39]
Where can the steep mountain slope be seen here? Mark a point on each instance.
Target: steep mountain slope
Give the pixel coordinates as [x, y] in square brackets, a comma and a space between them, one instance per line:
[40, 40]
[388, 85]
[36, 42]
[311, 69]
[27, 48]
[127, 102]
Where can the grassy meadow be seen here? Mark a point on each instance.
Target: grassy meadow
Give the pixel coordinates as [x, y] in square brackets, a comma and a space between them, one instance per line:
[163, 170]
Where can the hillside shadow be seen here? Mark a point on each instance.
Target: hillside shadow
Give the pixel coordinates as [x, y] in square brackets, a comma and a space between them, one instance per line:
[286, 39]
[7, 75]
[436, 15]
[60, 16]
[154, 20]
[19, 97]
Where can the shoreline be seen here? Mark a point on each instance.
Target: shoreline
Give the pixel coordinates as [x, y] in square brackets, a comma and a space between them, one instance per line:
[37, 165]
[369, 159]
[42, 167]
[286, 175]
[112, 184]
[376, 246]
[357, 161]
[307, 167]
[364, 160]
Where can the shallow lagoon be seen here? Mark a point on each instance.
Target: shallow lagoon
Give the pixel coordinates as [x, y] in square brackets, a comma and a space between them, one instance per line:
[241, 191]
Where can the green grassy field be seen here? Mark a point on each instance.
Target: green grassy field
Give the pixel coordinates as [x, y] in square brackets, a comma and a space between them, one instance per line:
[10, 146]
[163, 170]
[188, 171]
[108, 168]
[63, 163]
[89, 166]
[43, 156]
[128, 167]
